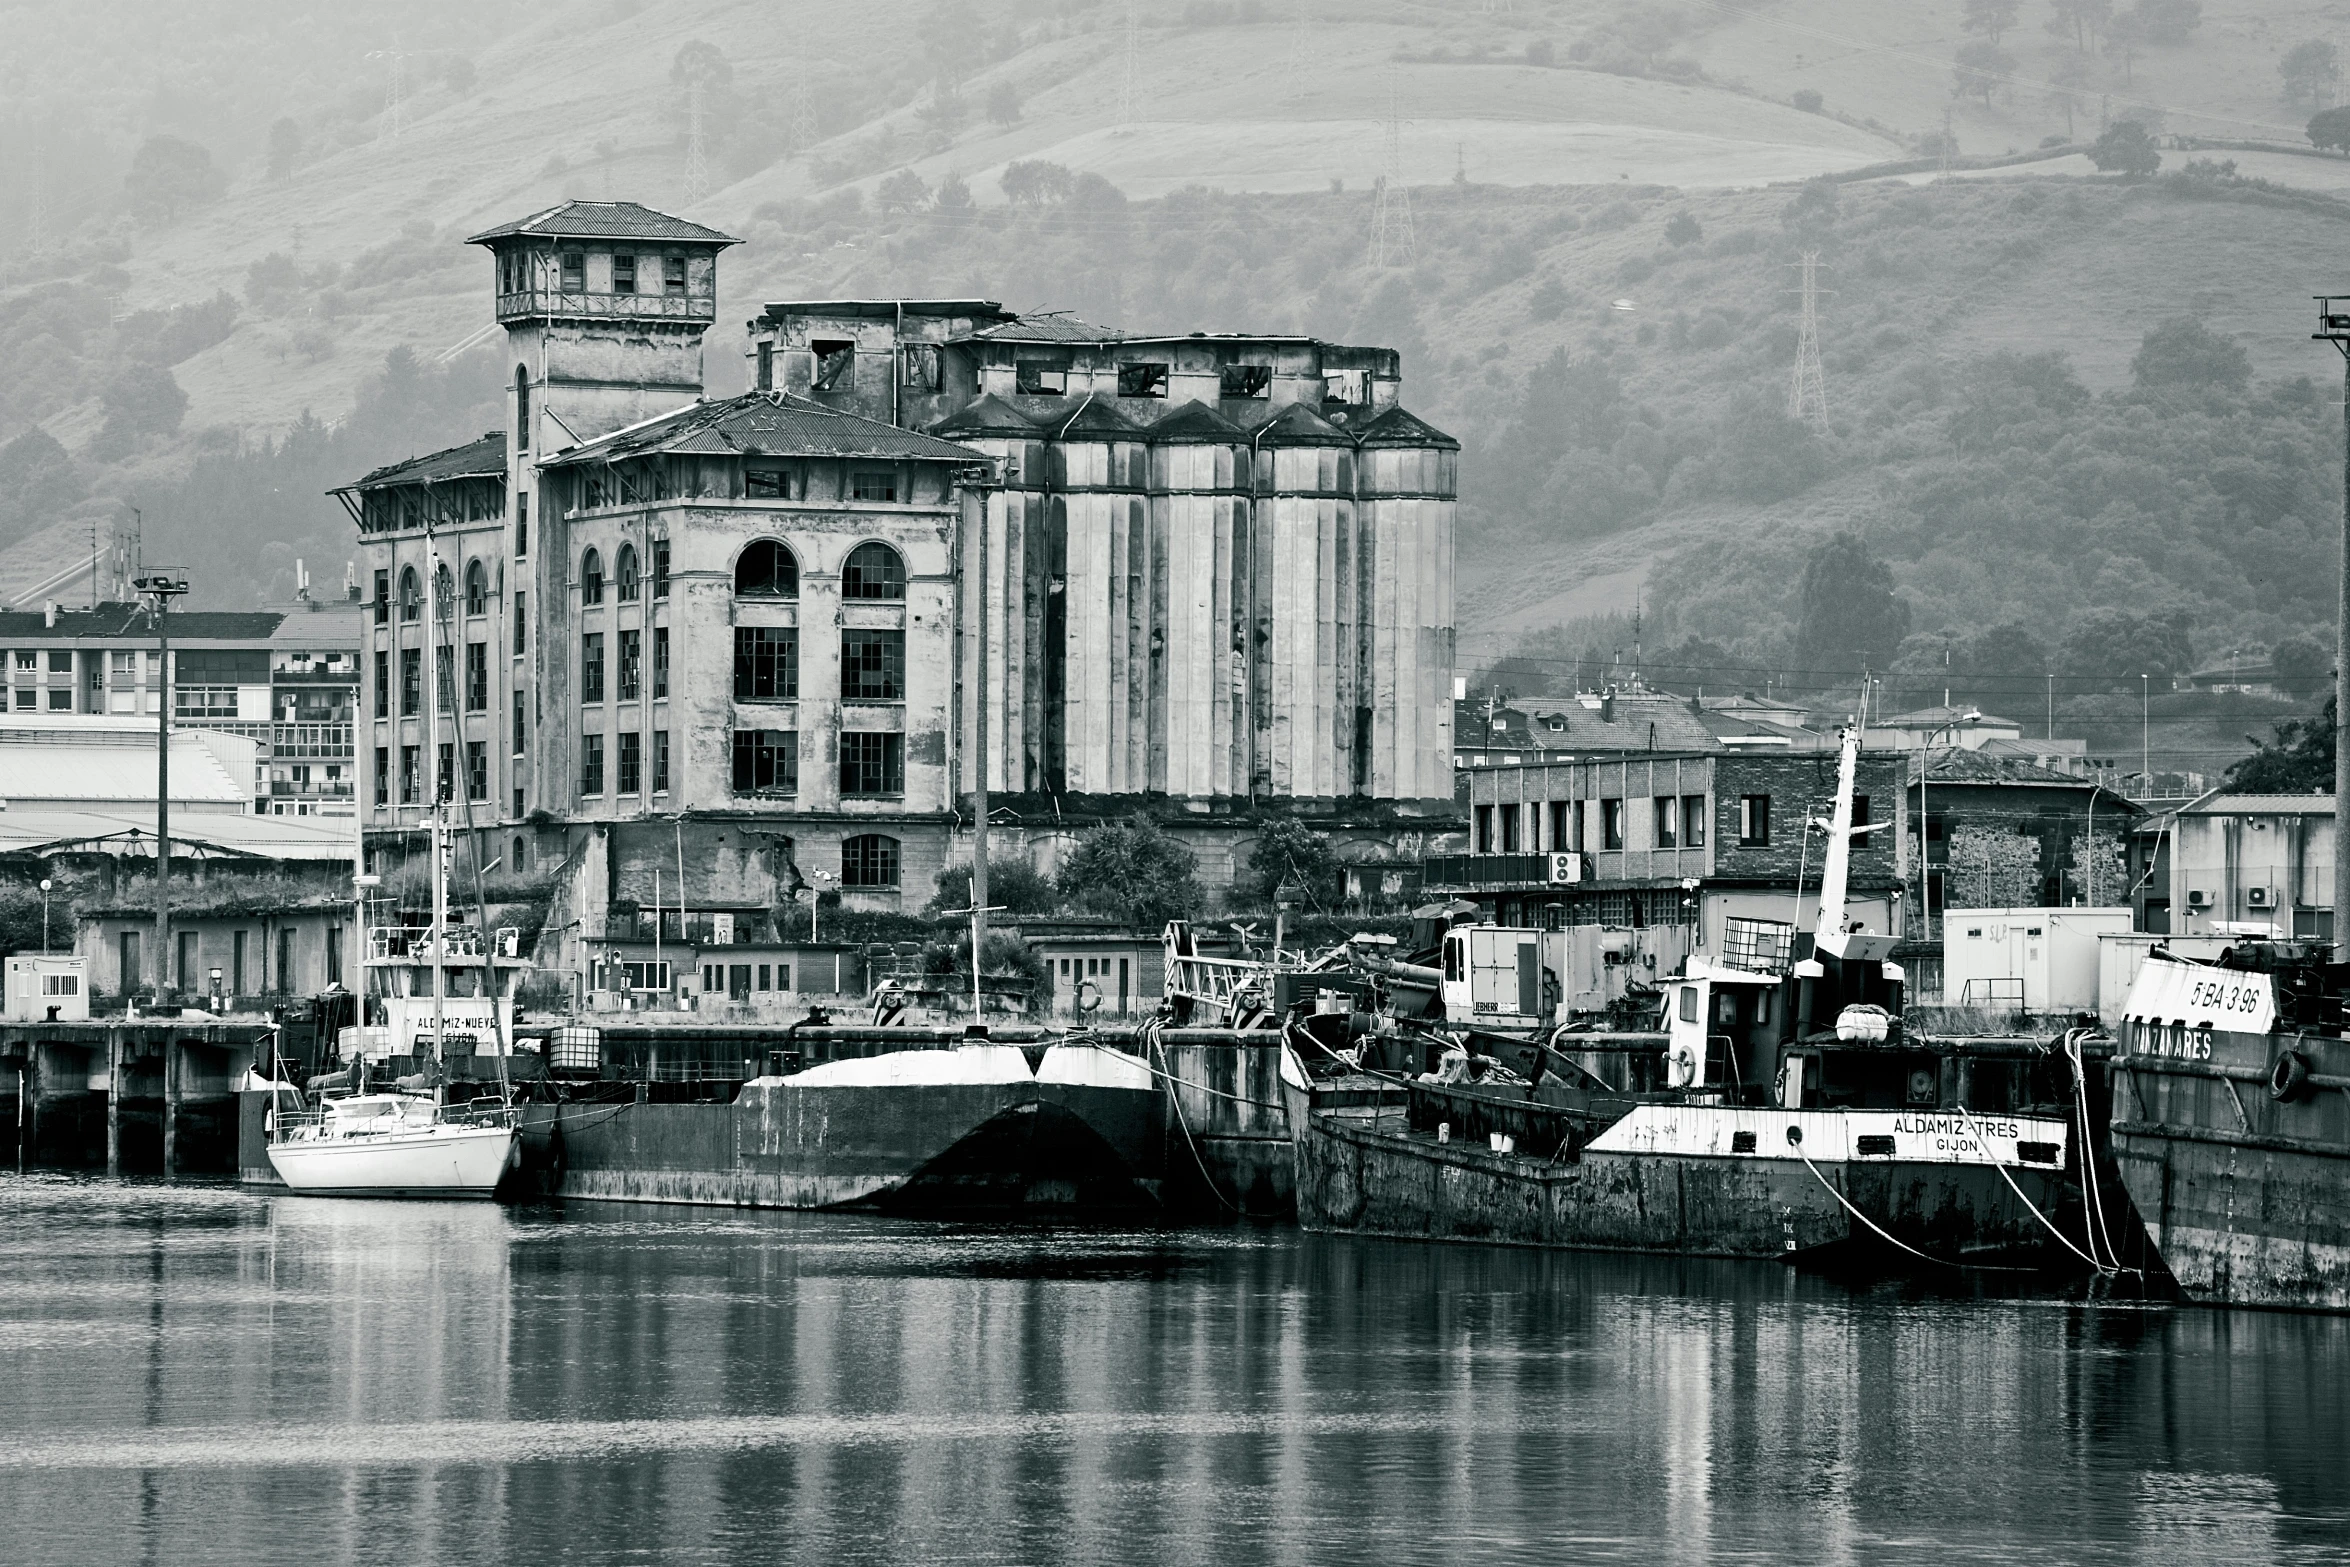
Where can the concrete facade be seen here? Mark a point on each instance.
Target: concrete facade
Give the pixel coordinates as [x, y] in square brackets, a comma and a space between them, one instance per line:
[1218, 567]
[1212, 576]
[2253, 858]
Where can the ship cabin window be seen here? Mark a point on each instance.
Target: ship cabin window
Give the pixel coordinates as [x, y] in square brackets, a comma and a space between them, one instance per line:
[1688, 1003]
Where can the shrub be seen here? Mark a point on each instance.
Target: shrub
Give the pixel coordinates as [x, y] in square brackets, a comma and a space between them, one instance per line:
[1808, 99]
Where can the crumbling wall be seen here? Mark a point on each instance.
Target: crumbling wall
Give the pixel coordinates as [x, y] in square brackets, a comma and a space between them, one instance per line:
[1989, 869]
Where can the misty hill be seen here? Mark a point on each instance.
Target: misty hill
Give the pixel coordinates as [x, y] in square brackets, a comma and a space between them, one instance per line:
[1599, 299]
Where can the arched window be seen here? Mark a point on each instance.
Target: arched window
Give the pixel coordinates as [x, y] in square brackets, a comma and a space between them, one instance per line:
[766, 570]
[869, 860]
[477, 588]
[444, 593]
[522, 408]
[591, 578]
[624, 573]
[411, 594]
[874, 571]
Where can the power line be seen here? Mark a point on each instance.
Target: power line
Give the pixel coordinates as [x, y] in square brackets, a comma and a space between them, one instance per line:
[395, 115]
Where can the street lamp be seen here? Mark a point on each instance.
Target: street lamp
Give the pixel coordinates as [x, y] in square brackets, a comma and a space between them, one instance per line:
[45, 885]
[159, 588]
[2333, 326]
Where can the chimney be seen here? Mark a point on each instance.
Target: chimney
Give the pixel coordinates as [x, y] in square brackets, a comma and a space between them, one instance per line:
[1607, 708]
[49, 613]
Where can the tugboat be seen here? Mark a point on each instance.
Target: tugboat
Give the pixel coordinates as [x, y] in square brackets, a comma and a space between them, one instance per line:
[2231, 1120]
[1783, 1114]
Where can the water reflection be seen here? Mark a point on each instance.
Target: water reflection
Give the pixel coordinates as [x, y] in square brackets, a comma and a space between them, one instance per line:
[200, 1374]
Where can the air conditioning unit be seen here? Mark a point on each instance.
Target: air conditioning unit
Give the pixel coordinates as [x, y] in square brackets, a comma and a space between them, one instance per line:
[2197, 898]
[2257, 897]
[1565, 866]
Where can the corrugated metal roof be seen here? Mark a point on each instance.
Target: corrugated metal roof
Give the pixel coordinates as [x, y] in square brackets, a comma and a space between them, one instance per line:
[1095, 417]
[274, 837]
[110, 768]
[1196, 422]
[604, 220]
[482, 459]
[990, 415]
[1957, 765]
[2261, 805]
[767, 424]
[1298, 425]
[1397, 427]
[130, 620]
[1050, 326]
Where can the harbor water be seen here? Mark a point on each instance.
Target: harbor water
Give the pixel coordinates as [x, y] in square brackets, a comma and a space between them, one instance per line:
[199, 1373]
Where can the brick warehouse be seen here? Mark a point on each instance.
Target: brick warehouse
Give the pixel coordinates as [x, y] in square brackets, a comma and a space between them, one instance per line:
[734, 642]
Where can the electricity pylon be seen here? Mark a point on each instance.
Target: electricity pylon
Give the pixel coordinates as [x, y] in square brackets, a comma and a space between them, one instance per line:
[1392, 243]
[1807, 388]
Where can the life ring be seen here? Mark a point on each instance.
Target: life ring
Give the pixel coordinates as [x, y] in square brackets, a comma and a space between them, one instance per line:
[2288, 1079]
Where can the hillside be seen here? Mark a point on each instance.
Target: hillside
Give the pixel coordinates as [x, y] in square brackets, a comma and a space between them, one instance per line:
[1558, 156]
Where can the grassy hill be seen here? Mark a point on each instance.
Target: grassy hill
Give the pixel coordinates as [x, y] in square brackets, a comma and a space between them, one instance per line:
[1548, 147]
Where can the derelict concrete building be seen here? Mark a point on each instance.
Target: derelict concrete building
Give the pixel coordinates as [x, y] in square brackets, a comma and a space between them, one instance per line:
[1217, 567]
[735, 643]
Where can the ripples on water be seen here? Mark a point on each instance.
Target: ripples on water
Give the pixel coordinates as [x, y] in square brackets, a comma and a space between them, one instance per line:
[199, 1374]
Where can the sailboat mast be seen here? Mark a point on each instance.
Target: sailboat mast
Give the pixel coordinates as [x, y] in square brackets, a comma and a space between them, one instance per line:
[1835, 867]
[439, 942]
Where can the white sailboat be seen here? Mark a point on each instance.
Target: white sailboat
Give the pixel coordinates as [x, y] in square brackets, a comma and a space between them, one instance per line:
[411, 1142]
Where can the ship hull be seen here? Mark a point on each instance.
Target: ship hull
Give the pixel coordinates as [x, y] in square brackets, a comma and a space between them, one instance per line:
[442, 1162]
[1361, 1170]
[921, 1132]
[2244, 1191]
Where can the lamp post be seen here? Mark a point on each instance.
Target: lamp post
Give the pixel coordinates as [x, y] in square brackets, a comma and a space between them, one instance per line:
[2333, 326]
[45, 885]
[159, 588]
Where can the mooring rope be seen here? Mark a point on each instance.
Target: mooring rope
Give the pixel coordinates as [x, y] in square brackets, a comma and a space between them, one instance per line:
[2072, 1048]
[1985, 1138]
[1795, 1141]
[1151, 1032]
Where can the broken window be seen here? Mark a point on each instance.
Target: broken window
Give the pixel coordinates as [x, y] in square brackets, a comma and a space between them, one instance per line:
[1343, 386]
[869, 860]
[766, 761]
[924, 373]
[574, 272]
[623, 274]
[872, 764]
[673, 274]
[872, 666]
[772, 484]
[873, 571]
[767, 570]
[1040, 378]
[1147, 379]
[835, 365]
[873, 486]
[1247, 380]
[766, 367]
[766, 664]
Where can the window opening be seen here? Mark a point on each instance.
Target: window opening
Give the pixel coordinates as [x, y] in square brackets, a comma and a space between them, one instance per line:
[835, 366]
[1147, 379]
[766, 570]
[873, 571]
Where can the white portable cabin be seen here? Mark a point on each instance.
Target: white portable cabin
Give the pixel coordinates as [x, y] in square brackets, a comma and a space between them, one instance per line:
[2027, 959]
[45, 988]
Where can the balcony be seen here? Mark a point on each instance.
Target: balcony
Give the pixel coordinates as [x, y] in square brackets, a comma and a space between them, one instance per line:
[583, 305]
